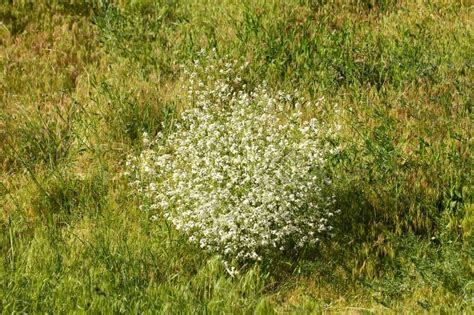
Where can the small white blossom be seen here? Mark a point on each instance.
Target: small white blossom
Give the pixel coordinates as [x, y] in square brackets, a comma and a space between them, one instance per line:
[237, 176]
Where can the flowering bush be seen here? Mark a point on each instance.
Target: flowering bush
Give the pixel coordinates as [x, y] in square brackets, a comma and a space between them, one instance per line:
[238, 175]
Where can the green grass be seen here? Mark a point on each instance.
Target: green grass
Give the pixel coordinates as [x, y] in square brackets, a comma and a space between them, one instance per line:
[80, 83]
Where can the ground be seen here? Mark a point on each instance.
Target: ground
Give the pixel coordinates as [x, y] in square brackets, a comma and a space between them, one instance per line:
[81, 81]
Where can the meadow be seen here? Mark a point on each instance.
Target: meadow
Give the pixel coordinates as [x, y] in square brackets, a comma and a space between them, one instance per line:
[82, 81]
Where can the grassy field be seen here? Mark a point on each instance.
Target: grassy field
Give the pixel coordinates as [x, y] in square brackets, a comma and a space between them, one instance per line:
[81, 81]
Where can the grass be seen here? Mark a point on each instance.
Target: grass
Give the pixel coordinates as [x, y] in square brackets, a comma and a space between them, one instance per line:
[80, 82]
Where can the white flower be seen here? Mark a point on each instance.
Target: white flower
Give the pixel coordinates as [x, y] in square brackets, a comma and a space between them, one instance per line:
[236, 176]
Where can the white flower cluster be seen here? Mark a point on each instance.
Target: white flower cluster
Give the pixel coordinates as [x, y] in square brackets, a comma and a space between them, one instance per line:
[237, 175]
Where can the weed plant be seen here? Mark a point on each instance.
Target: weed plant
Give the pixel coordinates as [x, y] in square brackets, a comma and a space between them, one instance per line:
[236, 174]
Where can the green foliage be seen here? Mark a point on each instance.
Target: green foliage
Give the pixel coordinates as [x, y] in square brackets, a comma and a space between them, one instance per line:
[80, 81]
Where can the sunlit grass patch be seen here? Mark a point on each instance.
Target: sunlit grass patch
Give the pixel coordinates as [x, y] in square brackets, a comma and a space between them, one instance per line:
[81, 81]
